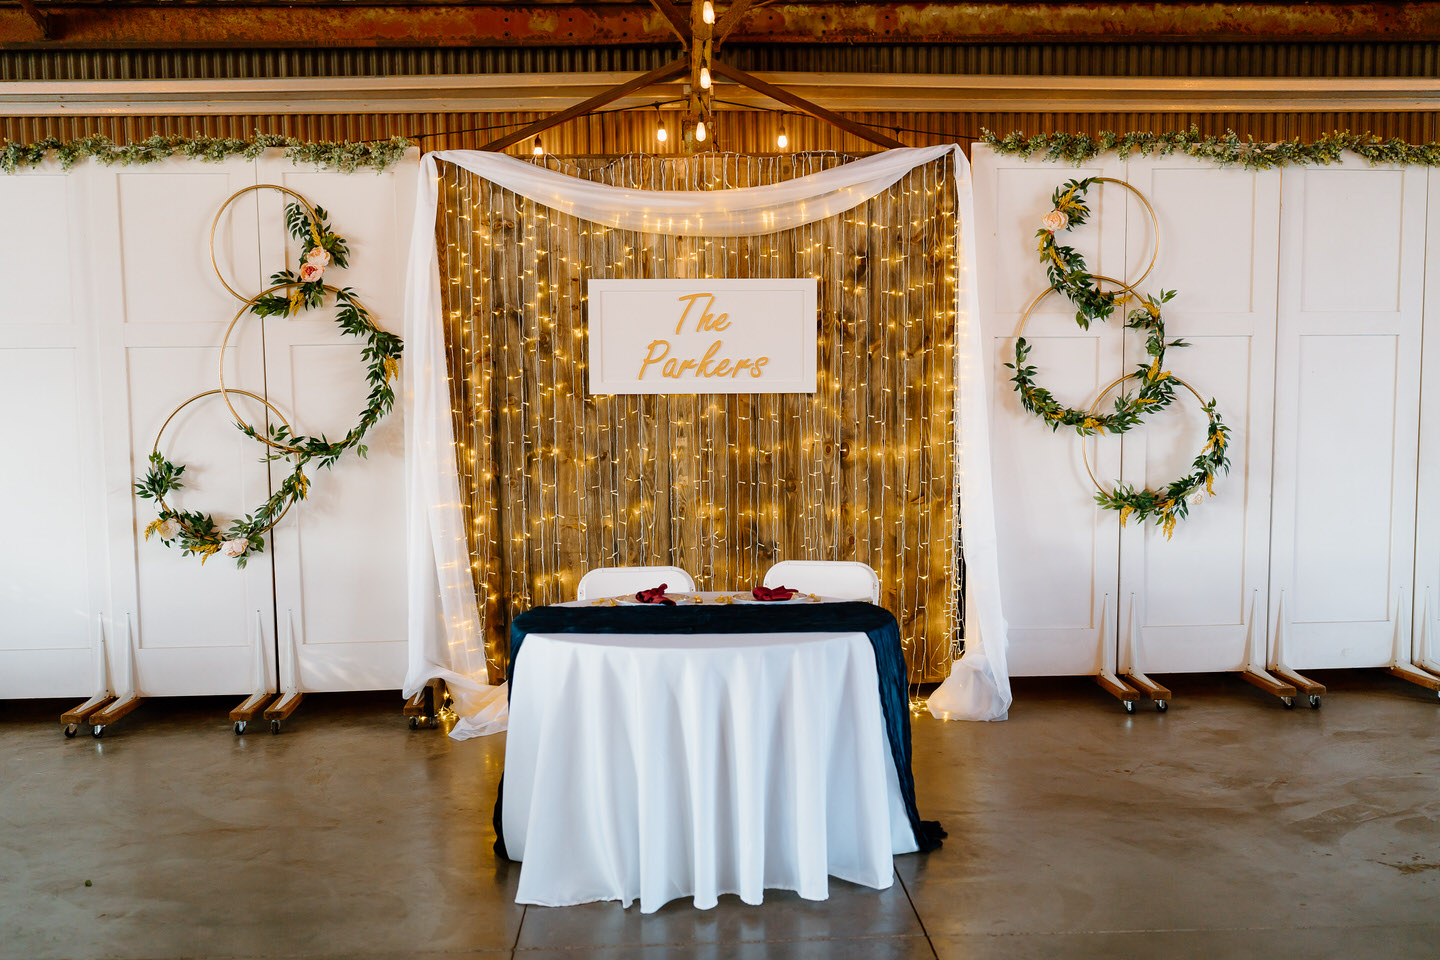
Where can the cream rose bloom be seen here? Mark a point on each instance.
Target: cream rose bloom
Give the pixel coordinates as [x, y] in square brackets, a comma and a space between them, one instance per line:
[168, 529]
[1055, 221]
[309, 273]
[318, 256]
[234, 548]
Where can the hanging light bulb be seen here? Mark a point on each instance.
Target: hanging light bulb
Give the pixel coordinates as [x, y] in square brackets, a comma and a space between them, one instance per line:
[538, 150]
[700, 131]
[704, 78]
[660, 133]
[782, 141]
[707, 12]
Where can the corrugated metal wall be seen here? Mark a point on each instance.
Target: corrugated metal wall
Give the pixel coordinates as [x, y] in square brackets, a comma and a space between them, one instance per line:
[742, 132]
[617, 133]
[1120, 59]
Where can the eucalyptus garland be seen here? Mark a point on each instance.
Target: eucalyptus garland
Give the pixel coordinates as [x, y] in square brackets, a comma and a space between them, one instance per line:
[1064, 265]
[320, 247]
[346, 156]
[1156, 387]
[198, 533]
[1171, 503]
[1225, 149]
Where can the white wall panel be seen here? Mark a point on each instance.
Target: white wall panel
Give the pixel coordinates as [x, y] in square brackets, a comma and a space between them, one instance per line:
[52, 584]
[1426, 606]
[1347, 411]
[1219, 234]
[1058, 552]
[340, 567]
[162, 316]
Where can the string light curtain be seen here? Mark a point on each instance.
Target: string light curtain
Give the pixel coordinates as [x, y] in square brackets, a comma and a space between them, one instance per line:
[517, 481]
[555, 482]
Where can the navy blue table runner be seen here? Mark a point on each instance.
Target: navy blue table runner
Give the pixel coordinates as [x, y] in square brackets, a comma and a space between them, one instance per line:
[875, 622]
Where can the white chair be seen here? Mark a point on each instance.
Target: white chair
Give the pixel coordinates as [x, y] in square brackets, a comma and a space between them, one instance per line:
[840, 579]
[618, 581]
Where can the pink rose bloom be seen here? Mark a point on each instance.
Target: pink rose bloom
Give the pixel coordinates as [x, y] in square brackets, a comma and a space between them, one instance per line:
[1055, 220]
[310, 273]
[318, 256]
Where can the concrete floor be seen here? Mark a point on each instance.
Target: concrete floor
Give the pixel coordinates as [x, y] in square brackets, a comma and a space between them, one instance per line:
[1228, 827]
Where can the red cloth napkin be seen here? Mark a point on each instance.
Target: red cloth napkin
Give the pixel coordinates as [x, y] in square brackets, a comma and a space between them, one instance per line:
[655, 595]
[773, 593]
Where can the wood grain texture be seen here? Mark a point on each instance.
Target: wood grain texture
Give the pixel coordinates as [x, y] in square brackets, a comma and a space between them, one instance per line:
[557, 482]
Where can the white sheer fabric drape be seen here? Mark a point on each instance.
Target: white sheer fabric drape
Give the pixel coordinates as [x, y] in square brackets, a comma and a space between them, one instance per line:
[445, 636]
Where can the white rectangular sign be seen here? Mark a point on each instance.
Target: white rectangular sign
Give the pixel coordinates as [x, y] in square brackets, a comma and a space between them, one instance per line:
[703, 336]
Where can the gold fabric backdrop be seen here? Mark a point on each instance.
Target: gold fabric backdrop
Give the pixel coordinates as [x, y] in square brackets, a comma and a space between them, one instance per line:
[556, 482]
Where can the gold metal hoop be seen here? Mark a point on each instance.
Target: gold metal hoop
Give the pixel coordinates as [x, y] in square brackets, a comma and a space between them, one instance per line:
[225, 342]
[1154, 226]
[155, 447]
[1084, 451]
[309, 210]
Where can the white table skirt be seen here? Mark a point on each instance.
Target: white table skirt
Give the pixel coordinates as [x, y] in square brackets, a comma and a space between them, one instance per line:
[653, 767]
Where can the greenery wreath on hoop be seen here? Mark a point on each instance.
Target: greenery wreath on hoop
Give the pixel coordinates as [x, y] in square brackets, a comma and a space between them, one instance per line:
[197, 533]
[1068, 274]
[1170, 503]
[1065, 266]
[319, 248]
[1156, 389]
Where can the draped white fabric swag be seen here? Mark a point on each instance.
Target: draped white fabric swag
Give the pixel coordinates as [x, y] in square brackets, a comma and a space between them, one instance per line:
[445, 639]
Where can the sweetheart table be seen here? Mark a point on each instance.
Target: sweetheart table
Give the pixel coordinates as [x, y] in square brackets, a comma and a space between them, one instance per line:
[660, 752]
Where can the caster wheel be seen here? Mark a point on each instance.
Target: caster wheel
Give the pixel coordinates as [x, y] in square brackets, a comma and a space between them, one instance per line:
[434, 723]
[1129, 706]
[1289, 702]
[1161, 706]
[274, 726]
[239, 727]
[1314, 701]
[70, 730]
[98, 732]
[414, 723]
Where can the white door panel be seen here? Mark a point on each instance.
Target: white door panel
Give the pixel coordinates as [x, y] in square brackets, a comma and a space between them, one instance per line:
[52, 575]
[1219, 233]
[162, 315]
[340, 565]
[1058, 551]
[1347, 410]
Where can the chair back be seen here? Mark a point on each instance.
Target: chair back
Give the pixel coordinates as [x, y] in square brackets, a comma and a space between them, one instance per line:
[618, 581]
[841, 579]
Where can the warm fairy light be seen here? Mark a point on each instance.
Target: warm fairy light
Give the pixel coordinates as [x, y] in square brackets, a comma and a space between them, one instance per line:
[704, 78]
[707, 12]
[538, 150]
[660, 133]
[782, 141]
[700, 131]
[555, 481]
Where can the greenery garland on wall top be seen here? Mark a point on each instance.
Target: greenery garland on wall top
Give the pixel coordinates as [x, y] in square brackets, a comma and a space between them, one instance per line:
[347, 157]
[1228, 148]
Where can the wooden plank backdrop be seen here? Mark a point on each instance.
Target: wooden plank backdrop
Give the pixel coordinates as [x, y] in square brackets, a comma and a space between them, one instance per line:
[556, 482]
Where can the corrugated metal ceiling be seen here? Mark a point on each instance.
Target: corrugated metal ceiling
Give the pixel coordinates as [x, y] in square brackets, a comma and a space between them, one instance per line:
[1123, 60]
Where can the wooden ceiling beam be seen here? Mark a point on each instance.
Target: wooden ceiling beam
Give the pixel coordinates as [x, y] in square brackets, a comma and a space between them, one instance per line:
[805, 106]
[672, 69]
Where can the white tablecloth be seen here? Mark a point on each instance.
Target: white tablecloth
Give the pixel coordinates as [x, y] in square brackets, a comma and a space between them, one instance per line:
[653, 767]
